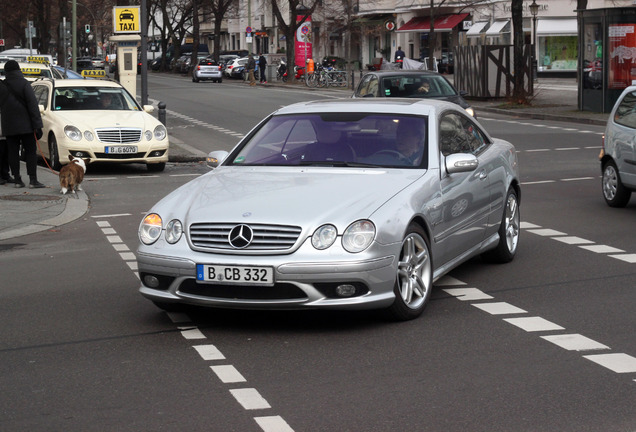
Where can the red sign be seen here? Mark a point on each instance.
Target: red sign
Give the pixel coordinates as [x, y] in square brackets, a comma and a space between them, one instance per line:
[1, 42]
[303, 41]
[622, 55]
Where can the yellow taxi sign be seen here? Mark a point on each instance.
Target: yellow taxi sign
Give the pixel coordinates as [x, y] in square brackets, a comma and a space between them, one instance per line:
[126, 19]
[31, 71]
[94, 73]
[37, 59]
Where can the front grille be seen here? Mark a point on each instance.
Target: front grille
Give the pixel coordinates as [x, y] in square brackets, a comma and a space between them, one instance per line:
[280, 291]
[266, 237]
[119, 135]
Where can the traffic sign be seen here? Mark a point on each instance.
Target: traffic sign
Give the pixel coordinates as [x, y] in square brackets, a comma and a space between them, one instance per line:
[1, 42]
[126, 19]
[248, 29]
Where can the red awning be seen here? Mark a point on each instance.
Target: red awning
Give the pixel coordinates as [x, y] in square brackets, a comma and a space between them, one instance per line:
[443, 23]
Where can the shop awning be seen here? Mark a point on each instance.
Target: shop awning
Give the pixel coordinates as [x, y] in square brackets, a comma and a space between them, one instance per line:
[477, 29]
[498, 27]
[443, 23]
[557, 27]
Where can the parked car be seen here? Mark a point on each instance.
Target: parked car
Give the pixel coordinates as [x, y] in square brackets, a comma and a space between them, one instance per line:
[100, 121]
[32, 71]
[618, 152]
[234, 69]
[207, 69]
[83, 63]
[65, 73]
[345, 204]
[98, 63]
[188, 62]
[410, 84]
[225, 59]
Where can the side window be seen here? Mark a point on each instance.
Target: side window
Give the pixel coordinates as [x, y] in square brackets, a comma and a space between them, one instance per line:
[476, 139]
[626, 111]
[452, 135]
[41, 95]
[373, 87]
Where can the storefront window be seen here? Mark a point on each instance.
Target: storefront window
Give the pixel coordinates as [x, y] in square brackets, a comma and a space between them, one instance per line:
[593, 56]
[622, 55]
[557, 53]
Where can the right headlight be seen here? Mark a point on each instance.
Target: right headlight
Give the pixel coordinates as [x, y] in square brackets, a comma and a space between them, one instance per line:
[150, 229]
[73, 133]
[358, 236]
[324, 237]
[160, 132]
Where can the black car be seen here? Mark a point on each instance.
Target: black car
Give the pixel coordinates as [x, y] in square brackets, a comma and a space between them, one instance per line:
[410, 84]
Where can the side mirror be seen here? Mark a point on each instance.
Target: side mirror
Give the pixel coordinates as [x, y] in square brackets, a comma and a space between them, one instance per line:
[215, 158]
[460, 162]
[149, 109]
[41, 108]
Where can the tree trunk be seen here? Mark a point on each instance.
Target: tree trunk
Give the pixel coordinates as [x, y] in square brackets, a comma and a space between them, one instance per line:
[519, 94]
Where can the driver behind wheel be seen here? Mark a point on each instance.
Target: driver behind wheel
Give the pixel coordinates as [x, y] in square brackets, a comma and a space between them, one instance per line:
[409, 141]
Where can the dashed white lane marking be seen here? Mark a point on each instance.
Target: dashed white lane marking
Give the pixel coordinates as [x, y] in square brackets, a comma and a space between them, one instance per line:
[111, 235]
[499, 308]
[616, 362]
[209, 352]
[575, 342]
[273, 424]
[533, 324]
[539, 125]
[585, 244]
[192, 333]
[228, 374]
[250, 398]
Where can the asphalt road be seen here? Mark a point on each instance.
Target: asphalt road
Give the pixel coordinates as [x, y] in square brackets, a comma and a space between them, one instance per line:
[544, 343]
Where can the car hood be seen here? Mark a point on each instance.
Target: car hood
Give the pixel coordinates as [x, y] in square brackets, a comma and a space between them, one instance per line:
[95, 119]
[307, 196]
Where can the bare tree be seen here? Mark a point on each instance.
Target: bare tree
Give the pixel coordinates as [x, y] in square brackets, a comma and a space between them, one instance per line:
[218, 9]
[176, 15]
[289, 28]
[519, 94]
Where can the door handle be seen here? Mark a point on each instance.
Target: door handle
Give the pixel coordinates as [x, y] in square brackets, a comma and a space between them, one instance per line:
[483, 175]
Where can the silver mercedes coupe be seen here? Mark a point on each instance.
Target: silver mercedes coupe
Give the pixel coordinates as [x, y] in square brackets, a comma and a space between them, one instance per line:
[340, 204]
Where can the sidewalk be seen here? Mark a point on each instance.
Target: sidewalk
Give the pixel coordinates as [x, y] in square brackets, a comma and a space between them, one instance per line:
[26, 211]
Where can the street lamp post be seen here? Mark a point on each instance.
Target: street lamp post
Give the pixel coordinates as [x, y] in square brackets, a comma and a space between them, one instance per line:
[534, 10]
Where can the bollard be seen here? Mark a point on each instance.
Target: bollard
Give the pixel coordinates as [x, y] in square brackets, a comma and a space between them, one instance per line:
[162, 113]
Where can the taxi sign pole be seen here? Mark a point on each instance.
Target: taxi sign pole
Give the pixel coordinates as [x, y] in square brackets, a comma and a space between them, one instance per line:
[144, 53]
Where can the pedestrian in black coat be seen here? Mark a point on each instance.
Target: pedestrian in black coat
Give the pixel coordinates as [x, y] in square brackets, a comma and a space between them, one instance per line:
[262, 67]
[21, 124]
[4, 151]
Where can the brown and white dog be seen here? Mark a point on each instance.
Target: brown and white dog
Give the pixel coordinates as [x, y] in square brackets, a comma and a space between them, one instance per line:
[72, 174]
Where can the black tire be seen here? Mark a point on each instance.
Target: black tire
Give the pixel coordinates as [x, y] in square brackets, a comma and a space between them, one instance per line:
[54, 154]
[156, 167]
[508, 231]
[414, 278]
[614, 192]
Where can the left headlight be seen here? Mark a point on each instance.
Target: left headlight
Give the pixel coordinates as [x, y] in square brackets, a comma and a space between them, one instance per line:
[160, 132]
[73, 133]
[150, 229]
[358, 236]
[174, 230]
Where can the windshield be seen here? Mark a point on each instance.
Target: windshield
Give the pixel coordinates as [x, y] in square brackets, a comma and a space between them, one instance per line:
[93, 98]
[337, 139]
[417, 86]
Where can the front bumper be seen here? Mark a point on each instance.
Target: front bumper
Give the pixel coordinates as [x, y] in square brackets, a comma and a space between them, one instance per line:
[301, 280]
[147, 151]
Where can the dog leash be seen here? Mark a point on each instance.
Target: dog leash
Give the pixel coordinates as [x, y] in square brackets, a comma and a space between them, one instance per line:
[37, 141]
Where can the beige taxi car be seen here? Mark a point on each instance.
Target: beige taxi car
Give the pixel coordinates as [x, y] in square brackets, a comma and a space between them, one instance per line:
[98, 120]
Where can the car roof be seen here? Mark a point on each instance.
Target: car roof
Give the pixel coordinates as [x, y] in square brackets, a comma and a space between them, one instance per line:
[374, 106]
[86, 83]
[384, 73]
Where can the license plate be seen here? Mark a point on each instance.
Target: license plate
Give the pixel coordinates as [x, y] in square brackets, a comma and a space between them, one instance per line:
[239, 275]
[121, 149]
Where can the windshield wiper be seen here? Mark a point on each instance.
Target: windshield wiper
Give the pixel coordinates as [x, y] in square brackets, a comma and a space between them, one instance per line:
[339, 164]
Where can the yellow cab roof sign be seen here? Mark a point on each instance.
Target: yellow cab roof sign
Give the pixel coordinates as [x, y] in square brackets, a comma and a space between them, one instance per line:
[31, 71]
[38, 59]
[94, 73]
[126, 19]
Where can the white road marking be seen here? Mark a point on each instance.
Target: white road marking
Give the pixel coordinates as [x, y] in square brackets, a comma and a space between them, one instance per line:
[448, 280]
[119, 247]
[249, 398]
[114, 239]
[468, 294]
[108, 231]
[533, 324]
[617, 362]
[575, 342]
[128, 256]
[546, 232]
[209, 352]
[499, 308]
[629, 258]
[192, 333]
[573, 240]
[111, 215]
[602, 249]
[228, 374]
[273, 424]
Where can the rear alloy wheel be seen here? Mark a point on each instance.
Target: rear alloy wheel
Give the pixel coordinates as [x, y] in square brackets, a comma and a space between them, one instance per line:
[615, 194]
[508, 231]
[414, 279]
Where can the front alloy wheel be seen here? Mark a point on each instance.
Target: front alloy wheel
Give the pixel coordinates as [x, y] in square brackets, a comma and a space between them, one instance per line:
[508, 231]
[615, 194]
[414, 280]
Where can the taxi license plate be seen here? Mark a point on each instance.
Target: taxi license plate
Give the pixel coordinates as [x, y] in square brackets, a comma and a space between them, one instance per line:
[239, 275]
[121, 149]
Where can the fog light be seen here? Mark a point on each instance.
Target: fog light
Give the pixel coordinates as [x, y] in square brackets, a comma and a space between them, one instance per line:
[79, 154]
[345, 290]
[151, 281]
